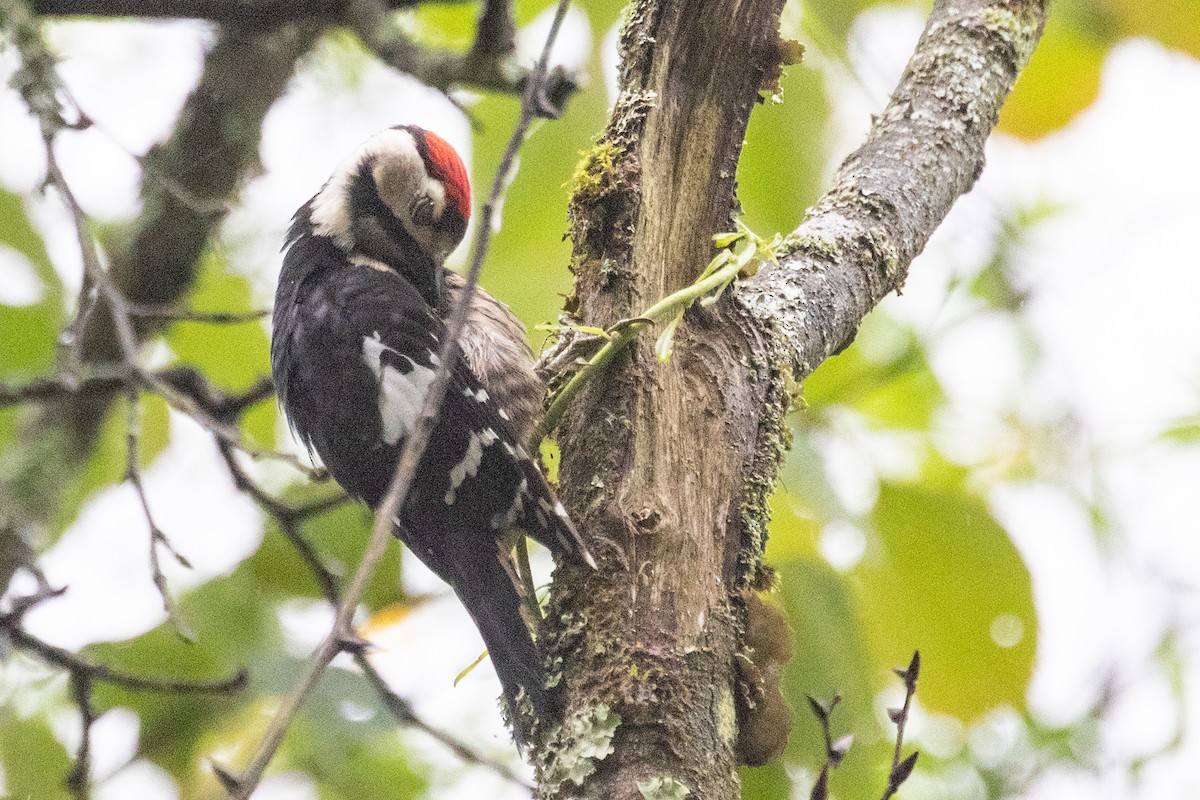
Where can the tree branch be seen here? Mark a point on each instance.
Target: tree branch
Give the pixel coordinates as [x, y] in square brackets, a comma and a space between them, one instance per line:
[653, 455]
[924, 151]
[672, 465]
[488, 65]
[262, 13]
[65, 659]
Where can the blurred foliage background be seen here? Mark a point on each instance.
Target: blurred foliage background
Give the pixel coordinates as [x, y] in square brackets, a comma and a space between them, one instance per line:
[889, 531]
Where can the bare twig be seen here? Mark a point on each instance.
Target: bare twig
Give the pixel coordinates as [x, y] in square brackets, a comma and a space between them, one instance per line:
[236, 12]
[97, 276]
[525, 581]
[901, 769]
[20, 606]
[169, 314]
[488, 65]
[79, 778]
[183, 401]
[133, 474]
[67, 660]
[835, 751]
[44, 389]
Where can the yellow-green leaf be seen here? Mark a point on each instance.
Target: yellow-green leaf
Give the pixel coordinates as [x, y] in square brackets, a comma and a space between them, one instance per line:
[1062, 79]
[944, 578]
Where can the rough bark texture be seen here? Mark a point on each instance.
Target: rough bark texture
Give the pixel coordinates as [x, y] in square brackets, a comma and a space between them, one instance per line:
[668, 467]
[924, 151]
[237, 12]
[656, 455]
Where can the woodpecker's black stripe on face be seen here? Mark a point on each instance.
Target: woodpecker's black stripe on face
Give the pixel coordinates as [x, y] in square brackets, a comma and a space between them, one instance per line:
[379, 235]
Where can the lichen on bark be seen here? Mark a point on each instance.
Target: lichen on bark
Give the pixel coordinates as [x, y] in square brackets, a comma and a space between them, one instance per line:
[668, 467]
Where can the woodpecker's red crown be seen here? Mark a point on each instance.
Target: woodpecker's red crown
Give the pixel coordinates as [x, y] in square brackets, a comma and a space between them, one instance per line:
[443, 163]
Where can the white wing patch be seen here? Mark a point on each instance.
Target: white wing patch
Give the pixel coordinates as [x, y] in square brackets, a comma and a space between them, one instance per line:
[401, 394]
[480, 396]
[469, 466]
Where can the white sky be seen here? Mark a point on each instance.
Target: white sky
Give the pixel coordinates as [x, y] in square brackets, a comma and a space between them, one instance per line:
[1114, 283]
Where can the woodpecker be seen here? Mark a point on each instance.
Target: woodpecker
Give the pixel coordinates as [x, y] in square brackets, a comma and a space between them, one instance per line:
[360, 314]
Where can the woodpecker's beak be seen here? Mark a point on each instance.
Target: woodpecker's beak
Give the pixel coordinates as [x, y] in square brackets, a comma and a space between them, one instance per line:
[439, 288]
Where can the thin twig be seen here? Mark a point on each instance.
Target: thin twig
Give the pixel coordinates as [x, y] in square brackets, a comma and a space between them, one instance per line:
[835, 751]
[902, 769]
[127, 338]
[65, 659]
[272, 505]
[20, 606]
[79, 778]
[168, 314]
[133, 474]
[43, 389]
[182, 401]
[525, 580]
[481, 67]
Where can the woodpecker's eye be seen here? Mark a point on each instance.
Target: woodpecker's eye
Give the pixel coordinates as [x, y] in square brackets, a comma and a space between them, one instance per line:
[422, 211]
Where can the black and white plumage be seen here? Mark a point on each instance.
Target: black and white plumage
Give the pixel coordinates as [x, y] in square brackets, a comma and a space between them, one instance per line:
[358, 324]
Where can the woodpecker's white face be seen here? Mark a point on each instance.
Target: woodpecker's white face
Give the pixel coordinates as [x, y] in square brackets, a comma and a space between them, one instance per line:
[408, 174]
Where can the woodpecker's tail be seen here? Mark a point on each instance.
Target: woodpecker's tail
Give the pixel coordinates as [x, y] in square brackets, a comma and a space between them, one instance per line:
[487, 591]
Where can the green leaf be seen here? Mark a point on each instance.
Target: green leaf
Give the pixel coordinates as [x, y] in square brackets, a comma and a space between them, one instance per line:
[33, 762]
[899, 391]
[784, 133]
[29, 333]
[353, 760]
[946, 579]
[467, 669]
[1186, 431]
[768, 782]
[1175, 23]
[1062, 79]
[665, 342]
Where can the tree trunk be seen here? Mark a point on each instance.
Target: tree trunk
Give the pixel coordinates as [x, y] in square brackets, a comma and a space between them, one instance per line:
[667, 467]
[656, 457]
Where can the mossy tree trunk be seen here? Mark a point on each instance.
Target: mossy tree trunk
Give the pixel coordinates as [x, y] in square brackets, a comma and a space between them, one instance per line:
[667, 466]
[658, 458]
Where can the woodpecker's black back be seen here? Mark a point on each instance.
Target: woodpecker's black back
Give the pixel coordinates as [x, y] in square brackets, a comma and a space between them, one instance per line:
[354, 349]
